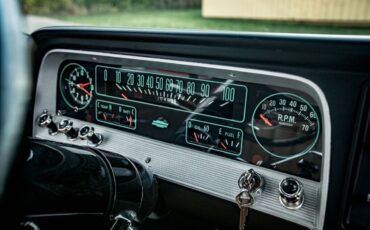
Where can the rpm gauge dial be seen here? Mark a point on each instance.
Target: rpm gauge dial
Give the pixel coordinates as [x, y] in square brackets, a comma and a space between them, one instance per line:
[76, 86]
[285, 125]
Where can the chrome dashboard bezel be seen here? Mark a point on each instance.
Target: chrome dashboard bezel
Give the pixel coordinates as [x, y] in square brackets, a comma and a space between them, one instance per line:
[214, 175]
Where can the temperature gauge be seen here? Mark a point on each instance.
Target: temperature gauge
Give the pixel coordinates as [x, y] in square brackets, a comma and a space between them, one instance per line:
[214, 137]
[116, 114]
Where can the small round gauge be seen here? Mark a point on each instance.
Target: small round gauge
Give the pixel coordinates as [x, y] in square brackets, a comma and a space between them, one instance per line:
[285, 125]
[76, 86]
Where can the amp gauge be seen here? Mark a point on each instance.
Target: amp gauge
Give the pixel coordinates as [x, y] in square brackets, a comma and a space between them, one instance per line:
[285, 125]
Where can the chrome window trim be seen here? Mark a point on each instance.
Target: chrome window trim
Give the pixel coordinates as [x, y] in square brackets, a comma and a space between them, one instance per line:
[277, 35]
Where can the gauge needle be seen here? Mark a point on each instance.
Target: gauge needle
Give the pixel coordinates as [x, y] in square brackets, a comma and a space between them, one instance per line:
[266, 120]
[124, 96]
[195, 137]
[83, 85]
[80, 86]
[223, 145]
[130, 121]
[83, 89]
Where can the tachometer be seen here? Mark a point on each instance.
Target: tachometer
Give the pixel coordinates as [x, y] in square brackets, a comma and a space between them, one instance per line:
[76, 86]
[285, 124]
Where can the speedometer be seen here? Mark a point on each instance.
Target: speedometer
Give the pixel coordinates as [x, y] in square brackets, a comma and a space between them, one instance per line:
[190, 93]
[285, 125]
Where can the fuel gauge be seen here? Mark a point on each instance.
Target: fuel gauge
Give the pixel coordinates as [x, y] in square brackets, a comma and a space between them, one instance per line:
[215, 137]
[232, 144]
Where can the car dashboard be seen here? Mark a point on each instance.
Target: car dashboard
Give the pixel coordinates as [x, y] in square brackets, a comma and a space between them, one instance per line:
[199, 123]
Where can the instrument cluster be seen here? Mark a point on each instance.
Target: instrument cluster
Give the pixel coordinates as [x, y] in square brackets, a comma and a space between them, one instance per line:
[269, 126]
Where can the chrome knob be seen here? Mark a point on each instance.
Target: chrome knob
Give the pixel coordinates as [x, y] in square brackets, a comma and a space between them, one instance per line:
[88, 132]
[66, 126]
[46, 121]
[291, 193]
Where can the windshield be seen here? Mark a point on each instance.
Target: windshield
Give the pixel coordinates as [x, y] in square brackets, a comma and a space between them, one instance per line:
[283, 16]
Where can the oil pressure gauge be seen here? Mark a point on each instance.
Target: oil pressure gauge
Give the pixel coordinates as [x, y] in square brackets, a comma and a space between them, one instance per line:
[285, 125]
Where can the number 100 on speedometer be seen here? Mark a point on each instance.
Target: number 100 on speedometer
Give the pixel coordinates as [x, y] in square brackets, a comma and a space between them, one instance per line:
[201, 95]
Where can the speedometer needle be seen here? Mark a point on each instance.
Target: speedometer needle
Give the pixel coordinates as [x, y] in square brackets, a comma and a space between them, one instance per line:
[124, 96]
[265, 120]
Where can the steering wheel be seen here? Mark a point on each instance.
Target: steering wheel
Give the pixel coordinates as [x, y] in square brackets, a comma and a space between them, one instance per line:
[14, 88]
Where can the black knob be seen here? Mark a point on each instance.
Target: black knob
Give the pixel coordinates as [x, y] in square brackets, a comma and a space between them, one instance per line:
[291, 193]
[88, 132]
[46, 121]
[66, 126]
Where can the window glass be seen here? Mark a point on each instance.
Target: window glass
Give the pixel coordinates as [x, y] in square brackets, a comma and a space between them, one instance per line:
[283, 16]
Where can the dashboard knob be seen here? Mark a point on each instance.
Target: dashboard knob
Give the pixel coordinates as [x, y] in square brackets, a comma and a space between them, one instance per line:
[291, 193]
[87, 132]
[46, 121]
[66, 126]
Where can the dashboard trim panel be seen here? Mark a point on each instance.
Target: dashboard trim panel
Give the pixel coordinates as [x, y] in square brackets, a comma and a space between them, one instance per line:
[197, 170]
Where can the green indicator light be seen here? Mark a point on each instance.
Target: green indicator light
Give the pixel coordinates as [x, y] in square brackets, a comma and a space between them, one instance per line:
[163, 124]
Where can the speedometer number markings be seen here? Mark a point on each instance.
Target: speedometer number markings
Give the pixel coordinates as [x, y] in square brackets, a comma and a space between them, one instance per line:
[218, 99]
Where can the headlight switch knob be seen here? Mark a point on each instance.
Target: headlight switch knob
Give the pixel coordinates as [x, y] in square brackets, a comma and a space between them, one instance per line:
[88, 132]
[66, 126]
[46, 121]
